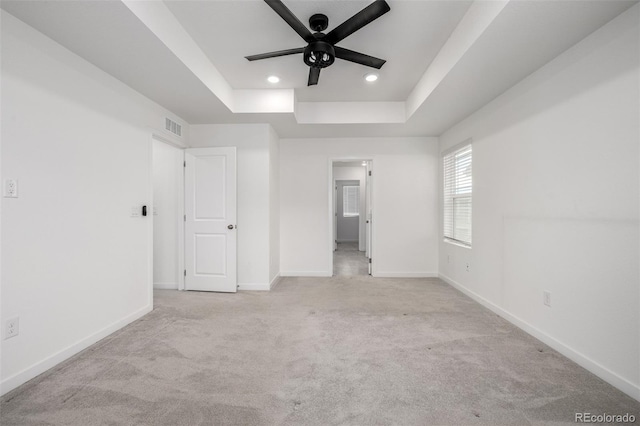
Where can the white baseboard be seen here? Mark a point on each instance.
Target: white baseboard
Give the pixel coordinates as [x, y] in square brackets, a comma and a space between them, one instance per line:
[274, 282]
[166, 286]
[40, 367]
[405, 274]
[259, 286]
[305, 274]
[604, 373]
[253, 286]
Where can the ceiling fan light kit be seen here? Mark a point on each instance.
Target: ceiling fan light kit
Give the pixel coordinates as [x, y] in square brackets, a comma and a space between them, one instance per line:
[321, 50]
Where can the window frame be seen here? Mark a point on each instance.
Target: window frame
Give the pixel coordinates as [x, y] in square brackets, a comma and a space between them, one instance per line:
[345, 201]
[457, 186]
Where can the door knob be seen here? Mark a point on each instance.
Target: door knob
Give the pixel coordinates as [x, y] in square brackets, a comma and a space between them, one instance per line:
[230, 226]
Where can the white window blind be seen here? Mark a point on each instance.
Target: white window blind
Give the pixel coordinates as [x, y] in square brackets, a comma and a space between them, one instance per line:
[350, 201]
[458, 194]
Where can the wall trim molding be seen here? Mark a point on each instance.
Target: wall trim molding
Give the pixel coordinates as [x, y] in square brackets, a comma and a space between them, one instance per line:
[40, 367]
[305, 274]
[405, 275]
[165, 286]
[275, 281]
[253, 286]
[592, 366]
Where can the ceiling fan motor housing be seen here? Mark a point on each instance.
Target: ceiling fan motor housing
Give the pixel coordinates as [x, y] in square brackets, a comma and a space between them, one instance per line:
[319, 54]
[318, 22]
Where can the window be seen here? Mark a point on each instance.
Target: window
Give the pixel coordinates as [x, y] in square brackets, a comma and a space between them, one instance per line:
[458, 194]
[350, 201]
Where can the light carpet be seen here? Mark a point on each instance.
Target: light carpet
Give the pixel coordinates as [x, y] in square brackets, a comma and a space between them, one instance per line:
[313, 351]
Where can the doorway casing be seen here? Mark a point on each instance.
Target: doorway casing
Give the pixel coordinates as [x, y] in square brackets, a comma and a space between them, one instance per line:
[331, 213]
[179, 237]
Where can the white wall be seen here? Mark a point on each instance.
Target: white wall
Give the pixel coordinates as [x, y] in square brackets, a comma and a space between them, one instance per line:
[75, 265]
[403, 245]
[168, 201]
[274, 207]
[555, 208]
[253, 161]
[356, 173]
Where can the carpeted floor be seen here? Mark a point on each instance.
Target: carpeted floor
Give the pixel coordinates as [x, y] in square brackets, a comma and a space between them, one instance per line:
[314, 351]
[348, 261]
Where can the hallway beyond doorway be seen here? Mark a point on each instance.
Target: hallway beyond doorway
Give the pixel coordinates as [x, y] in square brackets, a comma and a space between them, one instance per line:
[349, 261]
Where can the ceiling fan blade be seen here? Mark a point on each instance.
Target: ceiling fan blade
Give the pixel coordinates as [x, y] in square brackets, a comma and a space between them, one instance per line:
[357, 21]
[291, 19]
[359, 58]
[314, 75]
[275, 54]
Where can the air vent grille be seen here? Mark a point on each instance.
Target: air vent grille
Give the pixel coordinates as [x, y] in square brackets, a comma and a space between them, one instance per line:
[173, 127]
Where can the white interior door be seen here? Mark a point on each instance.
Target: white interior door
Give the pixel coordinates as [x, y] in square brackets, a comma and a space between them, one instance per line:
[210, 219]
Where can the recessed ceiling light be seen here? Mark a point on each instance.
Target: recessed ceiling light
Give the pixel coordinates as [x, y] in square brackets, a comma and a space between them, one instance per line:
[371, 77]
[273, 79]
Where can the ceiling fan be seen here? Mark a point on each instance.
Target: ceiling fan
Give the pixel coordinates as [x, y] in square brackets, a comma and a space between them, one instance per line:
[321, 50]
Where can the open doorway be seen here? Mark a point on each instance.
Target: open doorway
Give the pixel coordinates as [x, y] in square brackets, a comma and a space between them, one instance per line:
[167, 214]
[351, 207]
[194, 201]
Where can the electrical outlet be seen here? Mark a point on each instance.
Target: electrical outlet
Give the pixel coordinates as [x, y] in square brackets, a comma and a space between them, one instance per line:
[546, 298]
[11, 188]
[11, 328]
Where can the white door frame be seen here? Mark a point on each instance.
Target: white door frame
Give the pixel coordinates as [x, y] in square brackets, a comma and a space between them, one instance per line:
[331, 212]
[334, 224]
[179, 201]
[150, 222]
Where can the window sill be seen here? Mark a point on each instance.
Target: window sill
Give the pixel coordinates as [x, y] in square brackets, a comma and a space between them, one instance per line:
[457, 243]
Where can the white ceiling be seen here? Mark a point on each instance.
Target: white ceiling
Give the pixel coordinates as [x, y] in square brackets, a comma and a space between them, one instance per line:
[408, 38]
[108, 35]
[416, 37]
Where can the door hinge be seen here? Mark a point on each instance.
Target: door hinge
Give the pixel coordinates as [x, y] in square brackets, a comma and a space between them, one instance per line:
[185, 217]
[185, 163]
[369, 172]
[185, 272]
[369, 260]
